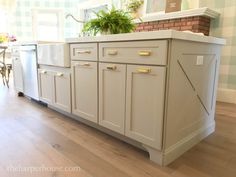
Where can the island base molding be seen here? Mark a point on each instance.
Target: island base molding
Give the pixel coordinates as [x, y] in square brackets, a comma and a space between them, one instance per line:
[185, 144]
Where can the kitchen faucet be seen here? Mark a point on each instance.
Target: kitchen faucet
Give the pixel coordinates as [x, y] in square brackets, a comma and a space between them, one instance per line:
[70, 15]
[78, 21]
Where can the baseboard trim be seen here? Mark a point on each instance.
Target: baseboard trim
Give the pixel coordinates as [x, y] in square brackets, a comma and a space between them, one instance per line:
[185, 144]
[226, 95]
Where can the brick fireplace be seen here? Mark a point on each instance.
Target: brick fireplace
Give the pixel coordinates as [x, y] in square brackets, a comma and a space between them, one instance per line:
[197, 24]
[195, 20]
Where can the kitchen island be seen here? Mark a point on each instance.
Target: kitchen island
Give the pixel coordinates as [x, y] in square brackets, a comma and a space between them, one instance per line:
[155, 90]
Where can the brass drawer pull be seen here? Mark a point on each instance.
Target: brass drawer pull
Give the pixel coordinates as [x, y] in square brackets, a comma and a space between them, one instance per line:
[112, 52]
[111, 67]
[83, 64]
[144, 70]
[43, 72]
[84, 52]
[60, 74]
[144, 53]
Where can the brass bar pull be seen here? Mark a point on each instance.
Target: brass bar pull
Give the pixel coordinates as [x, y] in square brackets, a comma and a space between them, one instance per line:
[144, 53]
[43, 72]
[83, 64]
[59, 74]
[111, 67]
[112, 52]
[84, 52]
[144, 70]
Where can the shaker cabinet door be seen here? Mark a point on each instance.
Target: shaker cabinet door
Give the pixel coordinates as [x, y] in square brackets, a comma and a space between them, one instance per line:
[62, 91]
[84, 90]
[145, 104]
[112, 80]
[45, 86]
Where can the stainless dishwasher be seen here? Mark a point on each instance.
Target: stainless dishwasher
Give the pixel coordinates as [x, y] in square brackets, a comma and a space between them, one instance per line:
[28, 56]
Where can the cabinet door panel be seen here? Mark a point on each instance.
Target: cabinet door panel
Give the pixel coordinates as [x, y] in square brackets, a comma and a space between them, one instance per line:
[112, 80]
[145, 104]
[62, 91]
[84, 90]
[17, 74]
[45, 86]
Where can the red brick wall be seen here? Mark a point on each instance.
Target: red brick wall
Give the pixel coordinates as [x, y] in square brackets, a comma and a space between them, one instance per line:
[198, 24]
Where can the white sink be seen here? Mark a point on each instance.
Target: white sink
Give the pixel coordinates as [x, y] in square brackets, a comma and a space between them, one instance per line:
[53, 54]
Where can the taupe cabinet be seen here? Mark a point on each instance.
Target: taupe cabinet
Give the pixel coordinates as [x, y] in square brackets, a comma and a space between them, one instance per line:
[112, 95]
[131, 97]
[46, 86]
[84, 90]
[145, 93]
[124, 93]
[157, 89]
[55, 88]
[85, 81]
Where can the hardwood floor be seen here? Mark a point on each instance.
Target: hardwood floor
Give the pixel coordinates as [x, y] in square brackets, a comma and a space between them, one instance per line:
[33, 136]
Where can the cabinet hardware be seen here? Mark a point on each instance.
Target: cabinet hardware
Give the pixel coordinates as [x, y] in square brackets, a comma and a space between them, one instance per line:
[111, 67]
[144, 70]
[59, 74]
[84, 52]
[43, 72]
[144, 53]
[112, 52]
[83, 64]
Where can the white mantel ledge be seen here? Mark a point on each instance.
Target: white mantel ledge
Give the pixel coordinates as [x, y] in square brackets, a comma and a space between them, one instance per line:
[204, 11]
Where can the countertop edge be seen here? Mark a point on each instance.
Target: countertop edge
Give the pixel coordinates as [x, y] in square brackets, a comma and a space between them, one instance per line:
[151, 35]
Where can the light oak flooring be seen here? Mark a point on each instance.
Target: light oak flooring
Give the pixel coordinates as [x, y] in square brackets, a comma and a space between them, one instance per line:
[34, 136]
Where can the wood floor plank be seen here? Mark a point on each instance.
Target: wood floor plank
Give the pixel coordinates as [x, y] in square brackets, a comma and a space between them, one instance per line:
[27, 150]
[86, 160]
[126, 157]
[186, 171]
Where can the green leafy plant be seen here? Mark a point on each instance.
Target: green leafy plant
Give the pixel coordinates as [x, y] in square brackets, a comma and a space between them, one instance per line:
[134, 5]
[110, 21]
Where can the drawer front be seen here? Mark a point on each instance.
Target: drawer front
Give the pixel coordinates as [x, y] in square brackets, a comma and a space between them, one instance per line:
[84, 52]
[141, 52]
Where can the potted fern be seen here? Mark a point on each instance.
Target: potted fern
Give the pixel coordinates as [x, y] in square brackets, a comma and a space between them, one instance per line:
[112, 21]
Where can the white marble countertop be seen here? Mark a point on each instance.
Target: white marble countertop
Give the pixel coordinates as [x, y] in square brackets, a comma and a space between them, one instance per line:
[151, 35]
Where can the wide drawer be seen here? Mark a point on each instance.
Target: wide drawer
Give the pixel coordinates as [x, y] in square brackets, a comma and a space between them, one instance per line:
[138, 52]
[86, 51]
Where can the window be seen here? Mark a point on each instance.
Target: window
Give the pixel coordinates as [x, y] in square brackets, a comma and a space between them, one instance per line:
[3, 17]
[86, 9]
[155, 6]
[48, 24]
